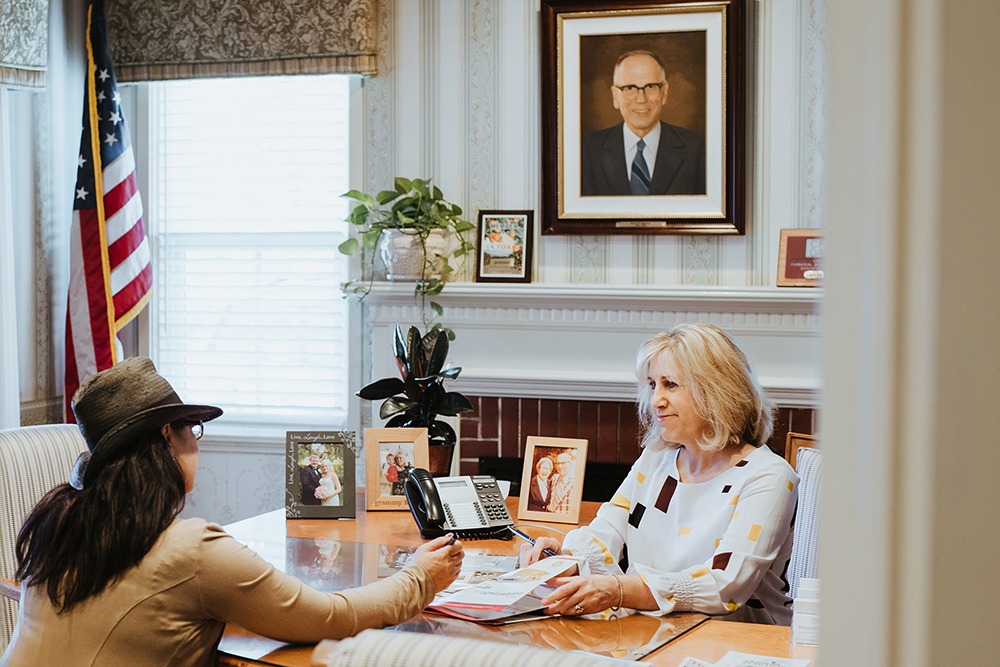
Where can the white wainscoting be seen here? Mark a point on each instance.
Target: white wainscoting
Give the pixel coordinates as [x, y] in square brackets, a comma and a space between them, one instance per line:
[579, 341]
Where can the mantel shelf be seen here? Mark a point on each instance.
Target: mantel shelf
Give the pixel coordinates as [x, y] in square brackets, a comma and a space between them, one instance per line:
[633, 297]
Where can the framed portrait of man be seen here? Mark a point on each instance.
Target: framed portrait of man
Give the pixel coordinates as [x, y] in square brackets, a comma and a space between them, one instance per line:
[644, 110]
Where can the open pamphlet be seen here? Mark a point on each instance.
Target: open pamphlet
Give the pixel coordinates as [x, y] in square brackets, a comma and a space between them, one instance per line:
[512, 596]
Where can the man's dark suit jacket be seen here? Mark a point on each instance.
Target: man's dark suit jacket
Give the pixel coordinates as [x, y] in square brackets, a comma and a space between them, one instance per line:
[679, 168]
[309, 477]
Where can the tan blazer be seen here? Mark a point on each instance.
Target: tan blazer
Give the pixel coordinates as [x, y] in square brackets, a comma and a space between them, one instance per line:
[172, 608]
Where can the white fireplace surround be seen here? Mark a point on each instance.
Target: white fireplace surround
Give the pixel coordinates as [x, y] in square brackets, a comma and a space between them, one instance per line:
[579, 341]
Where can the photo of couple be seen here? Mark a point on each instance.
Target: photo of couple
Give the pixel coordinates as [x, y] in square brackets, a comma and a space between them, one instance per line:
[552, 481]
[321, 467]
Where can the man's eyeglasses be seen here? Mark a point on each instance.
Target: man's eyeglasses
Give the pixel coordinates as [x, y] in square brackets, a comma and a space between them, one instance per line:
[650, 90]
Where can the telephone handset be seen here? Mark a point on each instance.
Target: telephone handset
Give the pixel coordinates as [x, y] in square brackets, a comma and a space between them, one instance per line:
[470, 507]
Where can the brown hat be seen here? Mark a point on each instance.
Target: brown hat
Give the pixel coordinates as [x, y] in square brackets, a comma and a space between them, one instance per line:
[125, 400]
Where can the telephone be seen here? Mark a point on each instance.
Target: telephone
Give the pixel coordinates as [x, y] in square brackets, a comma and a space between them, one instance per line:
[472, 508]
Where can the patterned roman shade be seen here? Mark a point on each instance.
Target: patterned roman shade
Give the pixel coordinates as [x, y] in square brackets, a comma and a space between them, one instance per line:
[155, 40]
[24, 45]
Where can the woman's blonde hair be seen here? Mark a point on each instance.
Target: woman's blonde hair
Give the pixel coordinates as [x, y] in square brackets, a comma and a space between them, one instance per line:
[722, 383]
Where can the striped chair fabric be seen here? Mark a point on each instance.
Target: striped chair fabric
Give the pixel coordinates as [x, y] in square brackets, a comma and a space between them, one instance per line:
[33, 460]
[394, 648]
[805, 543]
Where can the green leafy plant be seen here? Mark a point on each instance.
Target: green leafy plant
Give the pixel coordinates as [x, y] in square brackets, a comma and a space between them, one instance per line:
[418, 396]
[415, 207]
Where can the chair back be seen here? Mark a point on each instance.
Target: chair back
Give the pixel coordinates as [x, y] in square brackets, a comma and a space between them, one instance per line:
[805, 540]
[33, 460]
[793, 441]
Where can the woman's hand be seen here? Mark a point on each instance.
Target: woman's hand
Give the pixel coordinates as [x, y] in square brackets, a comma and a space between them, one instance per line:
[532, 554]
[582, 595]
[442, 558]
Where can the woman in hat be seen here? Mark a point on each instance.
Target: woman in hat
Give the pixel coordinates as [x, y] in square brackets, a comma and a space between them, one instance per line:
[110, 575]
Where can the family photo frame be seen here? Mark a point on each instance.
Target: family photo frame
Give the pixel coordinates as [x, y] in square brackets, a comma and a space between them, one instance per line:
[603, 91]
[552, 479]
[505, 246]
[319, 474]
[390, 454]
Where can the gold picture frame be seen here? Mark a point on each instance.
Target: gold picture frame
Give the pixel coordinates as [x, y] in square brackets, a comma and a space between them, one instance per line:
[384, 485]
[563, 458]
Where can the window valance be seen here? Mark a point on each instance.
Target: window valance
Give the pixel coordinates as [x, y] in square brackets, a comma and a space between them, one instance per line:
[155, 40]
[24, 45]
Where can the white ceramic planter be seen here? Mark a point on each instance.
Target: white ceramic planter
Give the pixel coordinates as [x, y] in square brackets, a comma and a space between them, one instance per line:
[404, 257]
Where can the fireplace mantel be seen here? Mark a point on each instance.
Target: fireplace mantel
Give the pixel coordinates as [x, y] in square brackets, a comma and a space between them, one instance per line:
[579, 341]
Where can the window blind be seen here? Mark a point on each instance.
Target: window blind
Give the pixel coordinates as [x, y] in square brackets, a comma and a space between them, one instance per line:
[245, 218]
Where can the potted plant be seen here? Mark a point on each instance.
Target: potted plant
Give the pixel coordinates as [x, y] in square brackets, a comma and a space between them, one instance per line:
[418, 396]
[410, 227]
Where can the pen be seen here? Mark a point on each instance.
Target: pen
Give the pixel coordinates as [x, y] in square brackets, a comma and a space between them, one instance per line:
[523, 536]
[451, 541]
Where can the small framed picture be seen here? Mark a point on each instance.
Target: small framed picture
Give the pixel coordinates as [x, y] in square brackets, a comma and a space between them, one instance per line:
[552, 481]
[800, 258]
[505, 240]
[319, 474]
[390, 454]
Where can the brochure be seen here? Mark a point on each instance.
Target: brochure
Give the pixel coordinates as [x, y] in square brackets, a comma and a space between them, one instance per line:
[513, 596]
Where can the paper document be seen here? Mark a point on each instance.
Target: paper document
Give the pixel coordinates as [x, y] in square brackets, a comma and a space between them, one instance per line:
[510, 595]
[736, 659]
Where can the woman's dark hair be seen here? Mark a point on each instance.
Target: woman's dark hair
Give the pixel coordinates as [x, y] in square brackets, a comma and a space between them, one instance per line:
[75, 543]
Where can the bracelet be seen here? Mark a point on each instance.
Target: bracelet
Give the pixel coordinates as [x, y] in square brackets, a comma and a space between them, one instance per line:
[621, 594]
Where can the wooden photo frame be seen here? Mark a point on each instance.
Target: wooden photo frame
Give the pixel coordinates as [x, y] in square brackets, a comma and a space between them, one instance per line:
[384, 483]
[504, 247]
[319, 474]
[696, 182]
[800, 258]
[546, 497]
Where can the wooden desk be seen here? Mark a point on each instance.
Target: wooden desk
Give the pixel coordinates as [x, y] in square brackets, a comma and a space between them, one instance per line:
[266, 534]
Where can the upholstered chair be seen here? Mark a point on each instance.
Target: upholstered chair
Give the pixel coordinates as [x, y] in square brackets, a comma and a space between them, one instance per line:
[805, 542]
[33, 460]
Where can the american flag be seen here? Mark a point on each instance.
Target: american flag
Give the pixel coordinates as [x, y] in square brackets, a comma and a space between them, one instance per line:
[110, 272]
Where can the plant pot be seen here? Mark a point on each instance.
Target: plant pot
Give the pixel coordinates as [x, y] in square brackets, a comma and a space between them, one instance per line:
[439, 464]
[404, 257]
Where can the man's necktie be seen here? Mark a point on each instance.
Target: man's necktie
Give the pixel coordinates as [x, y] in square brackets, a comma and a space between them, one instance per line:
[640, 172]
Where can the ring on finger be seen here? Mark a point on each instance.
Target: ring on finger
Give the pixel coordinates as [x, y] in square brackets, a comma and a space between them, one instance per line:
[578, 609]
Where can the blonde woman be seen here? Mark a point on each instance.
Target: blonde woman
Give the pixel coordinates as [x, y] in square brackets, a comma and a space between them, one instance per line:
[703, 520]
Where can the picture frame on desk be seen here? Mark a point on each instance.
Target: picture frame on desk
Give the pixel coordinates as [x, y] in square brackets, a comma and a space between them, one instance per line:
[505, 245]
[407, 448]
[800, 258]
[697, 180]
[319, 474]
[552, 479]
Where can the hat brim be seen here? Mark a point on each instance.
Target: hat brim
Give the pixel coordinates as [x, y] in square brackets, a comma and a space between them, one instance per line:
[154, 418]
